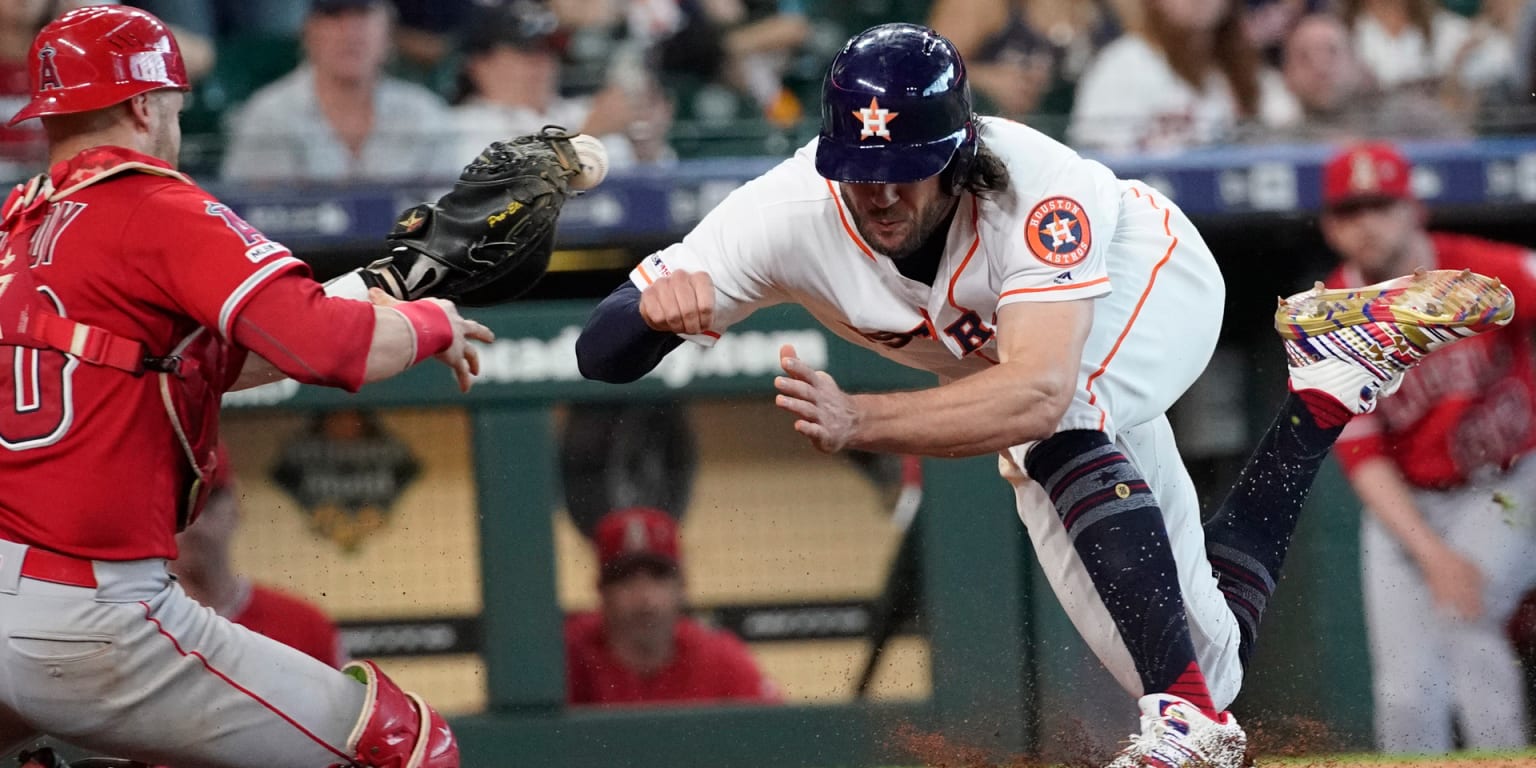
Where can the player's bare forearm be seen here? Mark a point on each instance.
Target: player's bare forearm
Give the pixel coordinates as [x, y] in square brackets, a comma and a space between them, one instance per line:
[1003, 406]
[1019, 400]
[985, 413]
[393, 347]
[277, 321]
[1386, 494]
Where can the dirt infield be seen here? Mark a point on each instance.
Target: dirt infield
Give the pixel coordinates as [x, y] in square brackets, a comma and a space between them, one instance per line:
[1296, 744]
[1381, 761]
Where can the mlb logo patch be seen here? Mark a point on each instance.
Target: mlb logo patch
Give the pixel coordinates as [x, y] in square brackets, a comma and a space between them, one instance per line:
[1057, 232]
[660, 266]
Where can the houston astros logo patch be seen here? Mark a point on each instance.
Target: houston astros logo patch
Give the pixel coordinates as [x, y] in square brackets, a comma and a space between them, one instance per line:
[1057, 232]
[875, 119]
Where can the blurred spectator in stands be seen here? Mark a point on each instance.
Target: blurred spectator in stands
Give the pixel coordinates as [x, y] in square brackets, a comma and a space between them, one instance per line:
[509, 85]
[1189, 76]
[743, 44]
[23, 148]
[214, 19]
[1333, 98]
[1418, 43]
[1269, 22]
[1026, 56]
[1446, 470]
[338, 117]
[196, 46]
[424, 34]
[640, 648]
[1498, 56]
[1523, 74]
[204, 569]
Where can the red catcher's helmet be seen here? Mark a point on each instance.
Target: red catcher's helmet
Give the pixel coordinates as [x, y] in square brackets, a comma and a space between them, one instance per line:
[97, 56]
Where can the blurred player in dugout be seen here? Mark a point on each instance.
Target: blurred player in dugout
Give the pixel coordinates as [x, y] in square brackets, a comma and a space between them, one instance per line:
[1446, 472]
[205, 568]
[639, 647]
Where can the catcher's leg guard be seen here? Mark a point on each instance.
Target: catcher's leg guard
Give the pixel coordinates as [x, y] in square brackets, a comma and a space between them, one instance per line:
[397, 729]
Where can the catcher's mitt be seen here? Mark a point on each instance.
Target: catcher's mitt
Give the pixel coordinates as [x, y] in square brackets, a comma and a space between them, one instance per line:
[489, 239]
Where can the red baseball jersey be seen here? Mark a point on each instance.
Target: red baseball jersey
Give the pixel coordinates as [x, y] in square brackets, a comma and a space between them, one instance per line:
[292, 621]
[1466, 406]
[709, 665]
[89, 461]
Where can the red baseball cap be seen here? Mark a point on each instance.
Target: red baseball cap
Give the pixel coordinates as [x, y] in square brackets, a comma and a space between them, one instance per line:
[630, 538]
[1369, 171]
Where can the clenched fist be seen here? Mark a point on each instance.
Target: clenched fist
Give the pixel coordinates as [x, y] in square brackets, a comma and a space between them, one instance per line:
[682, 302]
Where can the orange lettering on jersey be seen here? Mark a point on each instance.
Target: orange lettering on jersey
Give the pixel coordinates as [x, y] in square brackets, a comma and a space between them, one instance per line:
[1057, 232]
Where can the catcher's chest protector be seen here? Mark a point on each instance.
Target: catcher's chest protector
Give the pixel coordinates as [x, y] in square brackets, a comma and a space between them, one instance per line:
[186, 378]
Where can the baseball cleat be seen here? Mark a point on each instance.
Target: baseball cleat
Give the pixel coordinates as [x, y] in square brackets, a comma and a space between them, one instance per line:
[1355, 344]
[1176, 734]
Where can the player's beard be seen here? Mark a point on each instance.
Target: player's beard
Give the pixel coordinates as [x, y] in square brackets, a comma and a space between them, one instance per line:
[928, 220]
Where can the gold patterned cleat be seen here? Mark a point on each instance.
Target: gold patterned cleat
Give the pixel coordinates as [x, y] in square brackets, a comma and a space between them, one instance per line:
[1356, 343]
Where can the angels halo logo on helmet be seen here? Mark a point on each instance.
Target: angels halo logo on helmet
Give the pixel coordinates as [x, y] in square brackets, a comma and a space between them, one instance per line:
[97, 56]
[895, 108]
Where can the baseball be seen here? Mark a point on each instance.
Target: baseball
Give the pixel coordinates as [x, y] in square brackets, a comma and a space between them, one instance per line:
[594, 162]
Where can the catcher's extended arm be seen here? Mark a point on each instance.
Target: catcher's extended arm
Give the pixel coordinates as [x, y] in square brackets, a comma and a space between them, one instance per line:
[489, 239]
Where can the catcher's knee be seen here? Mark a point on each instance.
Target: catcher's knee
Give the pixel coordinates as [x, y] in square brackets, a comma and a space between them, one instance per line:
[397, 729]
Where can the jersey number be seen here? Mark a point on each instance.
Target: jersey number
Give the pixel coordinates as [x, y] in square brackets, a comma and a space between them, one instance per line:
[36, 402]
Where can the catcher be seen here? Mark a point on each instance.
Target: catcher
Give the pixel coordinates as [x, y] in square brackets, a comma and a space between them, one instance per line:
[130, 301]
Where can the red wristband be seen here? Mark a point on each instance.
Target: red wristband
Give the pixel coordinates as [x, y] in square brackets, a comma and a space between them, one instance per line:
[434, 331]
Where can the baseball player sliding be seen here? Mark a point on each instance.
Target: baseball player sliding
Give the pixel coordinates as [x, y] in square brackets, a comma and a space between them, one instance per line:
[130, 301]
[1063, 311]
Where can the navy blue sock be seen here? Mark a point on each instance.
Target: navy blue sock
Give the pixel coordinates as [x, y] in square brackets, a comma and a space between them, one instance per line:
[1248, 536]
[1117, 528]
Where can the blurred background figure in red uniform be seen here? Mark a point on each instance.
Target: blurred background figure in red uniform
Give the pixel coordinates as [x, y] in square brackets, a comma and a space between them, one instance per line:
[1445, 470]
[640, 647]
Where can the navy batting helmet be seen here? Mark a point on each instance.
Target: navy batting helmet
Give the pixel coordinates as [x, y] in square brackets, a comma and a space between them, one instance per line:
[895, 108]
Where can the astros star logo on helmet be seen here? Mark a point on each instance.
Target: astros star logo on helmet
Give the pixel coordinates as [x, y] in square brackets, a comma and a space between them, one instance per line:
[876, 120]
[1057, 232]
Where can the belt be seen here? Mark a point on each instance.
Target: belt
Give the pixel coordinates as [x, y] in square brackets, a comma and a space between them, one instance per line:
[43, 565]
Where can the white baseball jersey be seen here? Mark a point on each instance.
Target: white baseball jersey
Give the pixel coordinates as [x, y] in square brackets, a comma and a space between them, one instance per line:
[1066, 229]
[788, 237]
